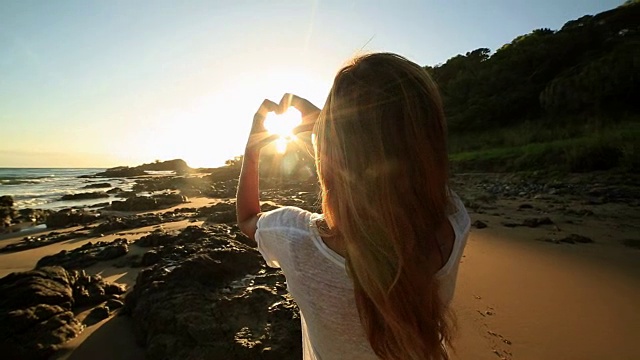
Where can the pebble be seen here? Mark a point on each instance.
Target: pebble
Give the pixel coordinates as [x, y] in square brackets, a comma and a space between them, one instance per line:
[479, 224]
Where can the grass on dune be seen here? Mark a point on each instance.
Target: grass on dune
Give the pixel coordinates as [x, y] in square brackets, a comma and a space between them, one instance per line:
[569, 149]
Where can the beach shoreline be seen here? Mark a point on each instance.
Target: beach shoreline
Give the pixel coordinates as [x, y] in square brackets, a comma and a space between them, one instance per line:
[525, 290]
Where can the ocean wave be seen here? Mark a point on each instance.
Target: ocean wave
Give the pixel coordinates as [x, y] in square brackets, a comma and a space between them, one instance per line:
[17, 182]
[23, 177]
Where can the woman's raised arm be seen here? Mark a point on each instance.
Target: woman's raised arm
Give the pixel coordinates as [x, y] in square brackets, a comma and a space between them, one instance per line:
[248, 196]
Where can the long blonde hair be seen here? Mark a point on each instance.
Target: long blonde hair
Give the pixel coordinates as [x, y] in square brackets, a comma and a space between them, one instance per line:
[382, 162]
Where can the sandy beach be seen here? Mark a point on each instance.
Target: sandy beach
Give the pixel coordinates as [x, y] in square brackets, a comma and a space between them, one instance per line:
[518, 296]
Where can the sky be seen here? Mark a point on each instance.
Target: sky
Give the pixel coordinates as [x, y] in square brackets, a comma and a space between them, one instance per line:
[108, 83]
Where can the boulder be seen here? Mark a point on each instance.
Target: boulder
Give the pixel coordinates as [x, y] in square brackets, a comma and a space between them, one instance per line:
[37, 310]
[218, 301]
[149, 258]
[86, 255]
[33, 215]
[7, 212]
[6, 201]
[535, 222]
[115, 190]
[70, 217]
[479, 224]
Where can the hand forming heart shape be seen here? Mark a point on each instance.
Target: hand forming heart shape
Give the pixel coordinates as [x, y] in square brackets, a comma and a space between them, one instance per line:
[281, 121]
[283, 124]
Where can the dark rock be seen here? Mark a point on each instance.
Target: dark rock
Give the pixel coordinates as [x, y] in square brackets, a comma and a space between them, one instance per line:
[217, 208]
[6, 201]
[114, 304]
[86, 255]
[99, 205]
[149, 258]
[525, 206]
[177, 165]
[99, 313]
[479, 224]
[239, 236]
[632, 243]
[223, 217]
[33, 215]
[145, 203]
[7, 212]
[156, 238]
[118, 223]
[218, 301]
[126, 194]
[84, 196]
[115, 190]
[37, 310]
[30, 242]
[510, 224]
[535, 222]
[578, 212]
[70, 217]
[97, 186]
[264, 207]
[577, 239]
[122, 171]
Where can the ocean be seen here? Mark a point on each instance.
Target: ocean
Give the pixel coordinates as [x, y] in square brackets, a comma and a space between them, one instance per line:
[43, 188]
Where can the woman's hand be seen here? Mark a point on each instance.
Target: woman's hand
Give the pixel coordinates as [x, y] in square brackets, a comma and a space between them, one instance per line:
[259, 136]
[309, 111]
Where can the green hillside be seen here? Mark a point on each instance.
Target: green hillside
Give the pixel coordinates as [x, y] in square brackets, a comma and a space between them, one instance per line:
[552, 99]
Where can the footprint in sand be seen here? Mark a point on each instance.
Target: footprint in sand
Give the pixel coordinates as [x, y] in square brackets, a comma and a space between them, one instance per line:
[502, 353]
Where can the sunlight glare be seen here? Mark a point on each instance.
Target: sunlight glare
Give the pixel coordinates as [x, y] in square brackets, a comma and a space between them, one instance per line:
[281, 144]
[283, 125]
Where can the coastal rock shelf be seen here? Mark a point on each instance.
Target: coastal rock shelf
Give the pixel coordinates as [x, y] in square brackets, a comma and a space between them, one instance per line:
[87, 255]
[37, 309]
[210, 296]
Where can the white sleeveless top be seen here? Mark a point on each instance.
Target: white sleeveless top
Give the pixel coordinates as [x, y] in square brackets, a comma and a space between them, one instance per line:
[316, 278]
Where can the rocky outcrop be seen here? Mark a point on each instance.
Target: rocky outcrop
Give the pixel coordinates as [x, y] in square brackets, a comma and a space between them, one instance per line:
[119, 223]
[33, 215]
[85, 196]
[87, 255]
[31, 242]
[37, 309]
[7, 212]
[179, 166]
[218, 300]
[146, 203]
[97, 186]
[117, 172]
[70, 217]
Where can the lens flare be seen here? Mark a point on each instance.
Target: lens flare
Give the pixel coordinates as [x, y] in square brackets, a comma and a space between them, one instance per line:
[281, 145]
[283, 125]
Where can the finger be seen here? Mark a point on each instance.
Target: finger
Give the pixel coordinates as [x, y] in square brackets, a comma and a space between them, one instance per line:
[303, 128]
[303, 105]
[285, 102]
[258, 141]
[266, 106]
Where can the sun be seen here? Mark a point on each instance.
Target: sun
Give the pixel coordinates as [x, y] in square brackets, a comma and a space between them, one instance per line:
[283, 125]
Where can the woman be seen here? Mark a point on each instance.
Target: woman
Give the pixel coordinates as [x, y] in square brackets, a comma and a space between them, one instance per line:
[373, 276]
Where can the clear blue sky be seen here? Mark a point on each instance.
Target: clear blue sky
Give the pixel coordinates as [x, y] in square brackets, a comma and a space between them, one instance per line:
[105, 83]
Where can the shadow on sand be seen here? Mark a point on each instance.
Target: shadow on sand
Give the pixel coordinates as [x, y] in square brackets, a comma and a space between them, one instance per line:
[109, 339]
